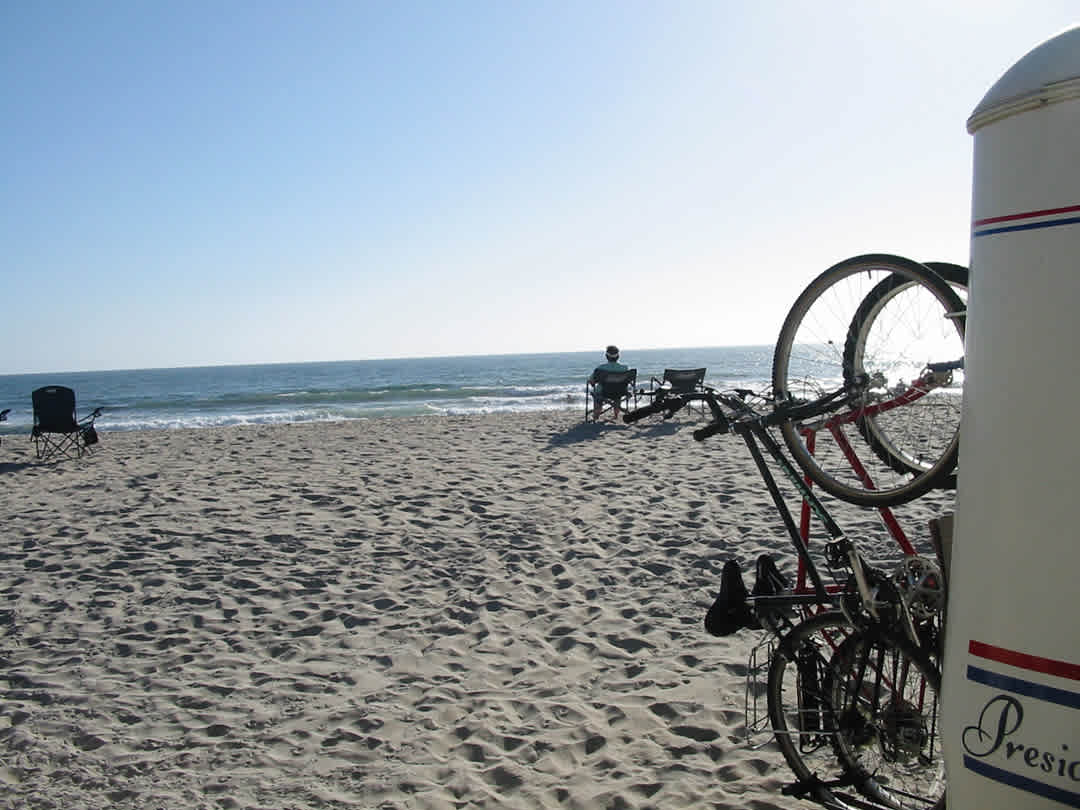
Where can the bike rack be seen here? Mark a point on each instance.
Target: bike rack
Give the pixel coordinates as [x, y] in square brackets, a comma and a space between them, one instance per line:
[755, 701]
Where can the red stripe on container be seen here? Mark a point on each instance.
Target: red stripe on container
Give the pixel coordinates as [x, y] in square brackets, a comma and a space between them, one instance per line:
[1044, 213]
[1050, 666]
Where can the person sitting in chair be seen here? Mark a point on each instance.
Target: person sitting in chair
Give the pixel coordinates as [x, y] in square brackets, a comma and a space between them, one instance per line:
[612, 364]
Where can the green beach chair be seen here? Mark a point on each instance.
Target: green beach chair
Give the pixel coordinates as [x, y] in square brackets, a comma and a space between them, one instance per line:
[613, 390]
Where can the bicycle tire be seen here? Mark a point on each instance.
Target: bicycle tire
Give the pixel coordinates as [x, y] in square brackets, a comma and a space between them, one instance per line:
[826, 751]
[809, 361]
[889, 435]
[889, 741]
[799, 727]
[955, 274]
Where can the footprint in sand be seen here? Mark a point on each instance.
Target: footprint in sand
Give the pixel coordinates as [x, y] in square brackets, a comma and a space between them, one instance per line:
[664, 710]
[696, 733]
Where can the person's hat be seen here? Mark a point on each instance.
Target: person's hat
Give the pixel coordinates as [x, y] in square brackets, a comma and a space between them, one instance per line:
[612, 353]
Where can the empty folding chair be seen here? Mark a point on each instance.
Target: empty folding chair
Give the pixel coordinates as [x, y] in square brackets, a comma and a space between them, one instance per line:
[56, 427]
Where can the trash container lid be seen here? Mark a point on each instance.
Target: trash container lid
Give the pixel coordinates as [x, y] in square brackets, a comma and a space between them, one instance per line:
[1049, 73]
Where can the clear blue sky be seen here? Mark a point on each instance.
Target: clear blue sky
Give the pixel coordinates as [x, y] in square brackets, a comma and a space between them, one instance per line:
[190, 183]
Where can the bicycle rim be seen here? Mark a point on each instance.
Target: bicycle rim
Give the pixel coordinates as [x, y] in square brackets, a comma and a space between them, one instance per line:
[872, 324]
[892, 319]
[886, 696]
[799, 714]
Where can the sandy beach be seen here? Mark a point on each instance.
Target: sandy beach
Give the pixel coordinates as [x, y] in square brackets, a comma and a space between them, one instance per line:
[446, 612]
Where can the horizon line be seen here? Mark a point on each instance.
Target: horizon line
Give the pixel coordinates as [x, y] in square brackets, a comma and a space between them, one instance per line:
[257, 364]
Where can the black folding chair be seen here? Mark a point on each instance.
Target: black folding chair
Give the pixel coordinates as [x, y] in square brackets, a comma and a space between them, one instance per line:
[56, 428]
[612, 389]
[681, 381]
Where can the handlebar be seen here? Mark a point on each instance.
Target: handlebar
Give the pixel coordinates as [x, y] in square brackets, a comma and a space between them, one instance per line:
[784, 408]
[741, 412]
[669, 404]
[660, 404]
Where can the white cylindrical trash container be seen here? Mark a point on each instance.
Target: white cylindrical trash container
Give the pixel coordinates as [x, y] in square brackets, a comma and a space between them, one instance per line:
[1011, 688]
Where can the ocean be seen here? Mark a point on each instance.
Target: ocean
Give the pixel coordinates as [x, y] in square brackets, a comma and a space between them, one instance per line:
[156, 399]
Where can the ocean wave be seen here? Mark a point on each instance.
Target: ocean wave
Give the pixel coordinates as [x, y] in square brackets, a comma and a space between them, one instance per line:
[341, 398]
[136, 419]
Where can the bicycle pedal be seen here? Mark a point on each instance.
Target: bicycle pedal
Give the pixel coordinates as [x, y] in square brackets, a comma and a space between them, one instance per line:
[802, 788]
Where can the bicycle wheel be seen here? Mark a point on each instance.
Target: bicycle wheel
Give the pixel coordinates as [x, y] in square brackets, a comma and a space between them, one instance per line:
[886, 695]
[855, 709]
[885, 375]
[908, 439]
[798, 711]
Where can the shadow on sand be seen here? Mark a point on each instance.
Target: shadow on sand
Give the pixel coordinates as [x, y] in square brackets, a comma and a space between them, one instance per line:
[14, 466]
[591, 431]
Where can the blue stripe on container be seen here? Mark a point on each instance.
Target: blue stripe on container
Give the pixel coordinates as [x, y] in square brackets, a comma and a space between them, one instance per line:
[1028, 227]
[1022, 782]
[1022, 687]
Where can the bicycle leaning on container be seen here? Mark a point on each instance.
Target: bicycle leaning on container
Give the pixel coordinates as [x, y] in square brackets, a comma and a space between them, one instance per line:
[853, 665]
